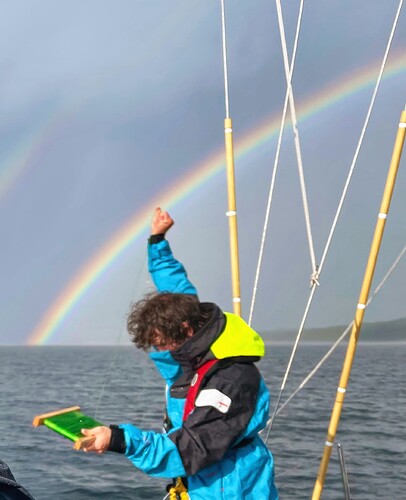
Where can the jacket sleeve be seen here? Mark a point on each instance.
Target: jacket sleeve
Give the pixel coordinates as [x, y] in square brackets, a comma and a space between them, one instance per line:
[167, 273]
[208, 432]
[228, 402]
[153, 453]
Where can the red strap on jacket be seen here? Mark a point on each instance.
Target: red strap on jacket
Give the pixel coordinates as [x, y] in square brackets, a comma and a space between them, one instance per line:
[195, 386]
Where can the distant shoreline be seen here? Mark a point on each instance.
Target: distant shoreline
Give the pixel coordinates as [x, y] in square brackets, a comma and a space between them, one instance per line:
[268, 343]
[379, 332]
[382, 332]
[309, 343]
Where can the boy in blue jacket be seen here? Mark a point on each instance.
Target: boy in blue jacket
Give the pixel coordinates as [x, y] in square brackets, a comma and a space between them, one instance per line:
[217, 401]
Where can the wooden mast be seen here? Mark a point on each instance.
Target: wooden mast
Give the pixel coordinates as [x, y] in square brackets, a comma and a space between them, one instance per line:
[232, 217]
[359, 315]
[232, 209]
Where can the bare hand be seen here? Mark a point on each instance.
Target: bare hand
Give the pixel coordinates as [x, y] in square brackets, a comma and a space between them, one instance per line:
[102, 437]
[161, 221]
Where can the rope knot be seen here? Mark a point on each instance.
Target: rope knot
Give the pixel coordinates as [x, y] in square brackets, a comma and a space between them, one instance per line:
[314, 278]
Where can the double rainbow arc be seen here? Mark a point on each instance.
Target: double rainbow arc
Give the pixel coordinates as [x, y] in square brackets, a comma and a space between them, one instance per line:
[199, 175]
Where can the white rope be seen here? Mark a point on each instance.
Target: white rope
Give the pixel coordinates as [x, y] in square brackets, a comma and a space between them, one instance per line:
[385, 57]
[275, 166]
[296, 135]
[313, 287]
[344, 334]
[292, 356]
[223, 33]
[360, 141]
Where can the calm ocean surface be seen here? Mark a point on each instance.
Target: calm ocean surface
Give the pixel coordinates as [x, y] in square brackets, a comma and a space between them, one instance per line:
[119, 384]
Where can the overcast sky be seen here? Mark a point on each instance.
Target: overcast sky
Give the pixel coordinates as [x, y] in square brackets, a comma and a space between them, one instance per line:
[106, 104]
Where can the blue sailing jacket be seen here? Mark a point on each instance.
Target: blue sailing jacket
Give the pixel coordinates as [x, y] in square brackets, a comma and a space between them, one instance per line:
[217, 448]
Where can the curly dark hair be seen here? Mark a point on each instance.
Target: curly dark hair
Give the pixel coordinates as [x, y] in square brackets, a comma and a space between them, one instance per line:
[169, 315]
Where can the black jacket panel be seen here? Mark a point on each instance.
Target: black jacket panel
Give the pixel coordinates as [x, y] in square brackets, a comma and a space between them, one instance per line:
[207, 434]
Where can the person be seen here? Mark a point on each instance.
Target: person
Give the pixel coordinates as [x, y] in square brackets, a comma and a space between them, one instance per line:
[10, 489]
[217, 401]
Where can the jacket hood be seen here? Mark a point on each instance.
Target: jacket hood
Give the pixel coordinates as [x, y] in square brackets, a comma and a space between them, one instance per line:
[225, 335]
[237, 339]
[196, 350]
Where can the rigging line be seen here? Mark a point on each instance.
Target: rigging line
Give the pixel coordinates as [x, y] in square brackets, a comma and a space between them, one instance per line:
[332, 230]
[114, 358]
[343, 335]
[275, 166]
[358, 148]
[223, 34]
[296, 136]
[317, 366]
[292, 356]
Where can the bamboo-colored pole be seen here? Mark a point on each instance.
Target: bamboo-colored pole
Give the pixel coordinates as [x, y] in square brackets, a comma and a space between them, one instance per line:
[232, 216]
[359, 315]
[232, 211]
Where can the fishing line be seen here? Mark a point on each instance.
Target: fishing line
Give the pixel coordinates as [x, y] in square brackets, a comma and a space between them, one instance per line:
[114, 358]
[338, 212]
[276, 164]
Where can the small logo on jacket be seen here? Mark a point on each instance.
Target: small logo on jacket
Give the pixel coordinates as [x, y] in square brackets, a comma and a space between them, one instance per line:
[214, 398]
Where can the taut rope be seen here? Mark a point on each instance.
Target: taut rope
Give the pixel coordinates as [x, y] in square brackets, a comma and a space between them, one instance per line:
[338, 212]
[275, 166]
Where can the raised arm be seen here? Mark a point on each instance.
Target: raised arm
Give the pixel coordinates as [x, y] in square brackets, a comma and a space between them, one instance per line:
[167, 273]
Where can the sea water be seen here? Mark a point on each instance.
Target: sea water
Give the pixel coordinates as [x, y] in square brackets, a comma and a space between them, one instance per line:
[120, 384]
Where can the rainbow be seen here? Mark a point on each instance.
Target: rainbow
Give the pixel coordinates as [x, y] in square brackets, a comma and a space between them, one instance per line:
[14, 165]
[198, 176]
